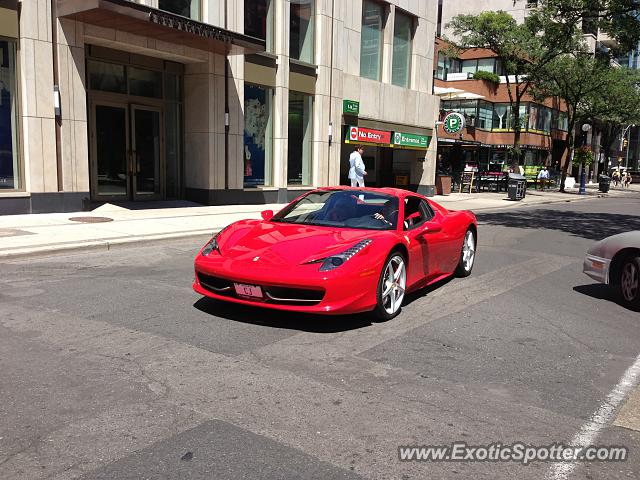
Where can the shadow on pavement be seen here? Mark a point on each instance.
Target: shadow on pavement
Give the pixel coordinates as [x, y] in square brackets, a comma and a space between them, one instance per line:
[601, 292]
[593, 226]
[281, 319]
[302, 321]
[149, 205]
[423, 292]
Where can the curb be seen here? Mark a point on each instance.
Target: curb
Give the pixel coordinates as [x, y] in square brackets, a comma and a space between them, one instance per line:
[572, 198]
[96, 245]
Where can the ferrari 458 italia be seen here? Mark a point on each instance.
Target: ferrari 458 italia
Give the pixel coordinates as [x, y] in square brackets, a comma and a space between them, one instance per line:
[338, 250]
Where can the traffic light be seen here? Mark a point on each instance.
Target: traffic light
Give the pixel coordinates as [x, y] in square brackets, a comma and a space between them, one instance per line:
[625, 143]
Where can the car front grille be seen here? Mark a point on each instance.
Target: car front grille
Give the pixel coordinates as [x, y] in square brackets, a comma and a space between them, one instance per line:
[216, 285]
[275, 295]
[293, 296]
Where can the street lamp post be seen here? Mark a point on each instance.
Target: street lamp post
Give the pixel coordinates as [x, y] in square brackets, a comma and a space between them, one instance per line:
[626, 135]
[583, 175]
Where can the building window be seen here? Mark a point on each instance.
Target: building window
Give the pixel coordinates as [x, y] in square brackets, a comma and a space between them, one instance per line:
[402, 37]
[503, 120]
[469, 66]
[467, 107]
[144, 83]
[258, 21]
[301, 31]
[485, 115]
[441, 70]
[107, 77]
[539, 119]
[300, 131]
[371, 40]
[258, 137]
[454, 65]
[486, 65]
[9, 167]
[186, 8]
[563, 121]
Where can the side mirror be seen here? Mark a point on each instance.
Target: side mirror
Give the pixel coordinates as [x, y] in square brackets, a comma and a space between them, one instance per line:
[267, 215]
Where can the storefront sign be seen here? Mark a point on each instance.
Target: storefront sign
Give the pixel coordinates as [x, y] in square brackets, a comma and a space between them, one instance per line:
[367, 135]
[196, 28]
[350, 107]
[454, 122]
[411, 140]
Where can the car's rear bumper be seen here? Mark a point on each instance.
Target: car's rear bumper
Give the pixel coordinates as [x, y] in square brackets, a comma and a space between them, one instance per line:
[596, 268]
[339, 294]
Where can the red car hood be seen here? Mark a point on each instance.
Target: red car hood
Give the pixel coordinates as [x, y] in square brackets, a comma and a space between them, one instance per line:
[282, 244]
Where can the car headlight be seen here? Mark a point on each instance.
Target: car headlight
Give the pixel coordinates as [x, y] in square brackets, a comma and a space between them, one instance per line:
[211, 246]
[334, 261]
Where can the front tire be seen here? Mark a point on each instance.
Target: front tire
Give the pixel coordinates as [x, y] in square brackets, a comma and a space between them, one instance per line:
[628, 282]
[467, 254]
[391, 287]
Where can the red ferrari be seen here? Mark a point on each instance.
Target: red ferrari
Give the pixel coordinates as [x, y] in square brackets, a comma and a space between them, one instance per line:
[338, 250]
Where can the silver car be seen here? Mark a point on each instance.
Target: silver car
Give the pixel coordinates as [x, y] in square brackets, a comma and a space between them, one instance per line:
[615, 261]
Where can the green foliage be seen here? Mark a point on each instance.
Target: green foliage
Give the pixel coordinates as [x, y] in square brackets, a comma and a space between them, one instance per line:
[488, 76]
[583, 156]
[618, 18]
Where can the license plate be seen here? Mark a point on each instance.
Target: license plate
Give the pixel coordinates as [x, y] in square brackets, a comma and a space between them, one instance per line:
[243, 290]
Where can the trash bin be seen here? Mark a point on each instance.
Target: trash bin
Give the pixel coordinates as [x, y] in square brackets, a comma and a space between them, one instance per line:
[516, 186]
[605, 183]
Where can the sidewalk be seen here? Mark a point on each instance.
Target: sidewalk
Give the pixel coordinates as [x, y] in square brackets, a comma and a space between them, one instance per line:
[109, 225]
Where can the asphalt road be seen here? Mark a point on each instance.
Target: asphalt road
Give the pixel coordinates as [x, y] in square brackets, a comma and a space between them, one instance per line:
[111, 367]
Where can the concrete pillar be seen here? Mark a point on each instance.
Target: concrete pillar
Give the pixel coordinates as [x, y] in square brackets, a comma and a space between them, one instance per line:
[281, 100]
[387, 43]
[74, 145]
[36, 90]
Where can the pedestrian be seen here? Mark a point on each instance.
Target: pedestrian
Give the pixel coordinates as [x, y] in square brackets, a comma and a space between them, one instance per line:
[627, 179]
[543, 177]
[615, 178]
[357, 170]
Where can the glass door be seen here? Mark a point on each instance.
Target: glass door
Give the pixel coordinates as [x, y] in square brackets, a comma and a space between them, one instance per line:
[110, 145]
[146, 152]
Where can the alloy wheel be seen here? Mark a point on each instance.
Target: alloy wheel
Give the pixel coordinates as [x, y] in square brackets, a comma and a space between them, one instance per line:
[468, 251]
[394, 284]
[629, 284]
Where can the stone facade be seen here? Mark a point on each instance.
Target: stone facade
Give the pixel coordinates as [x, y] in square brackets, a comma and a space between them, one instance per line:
[56, 165]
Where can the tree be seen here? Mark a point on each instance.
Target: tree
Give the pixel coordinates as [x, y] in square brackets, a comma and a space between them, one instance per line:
[522, 49]
[616, 106]
[618, 18]
[590, 89]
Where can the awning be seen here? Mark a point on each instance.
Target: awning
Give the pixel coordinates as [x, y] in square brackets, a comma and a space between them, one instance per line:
[168, 27]
[9, 18]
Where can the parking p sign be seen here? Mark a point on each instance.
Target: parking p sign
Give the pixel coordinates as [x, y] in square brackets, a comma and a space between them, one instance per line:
[454, 122]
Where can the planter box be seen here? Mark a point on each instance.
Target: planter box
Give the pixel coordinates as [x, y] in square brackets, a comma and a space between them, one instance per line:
[443, 184]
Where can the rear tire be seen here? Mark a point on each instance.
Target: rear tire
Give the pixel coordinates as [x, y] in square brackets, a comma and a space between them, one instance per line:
[467, 254]
[391, 287]
[628, 282]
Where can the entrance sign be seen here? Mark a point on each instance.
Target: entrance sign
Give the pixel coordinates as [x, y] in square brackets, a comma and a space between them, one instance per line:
[411, 140]
[368, 135]
[454, 122]
[350, 107]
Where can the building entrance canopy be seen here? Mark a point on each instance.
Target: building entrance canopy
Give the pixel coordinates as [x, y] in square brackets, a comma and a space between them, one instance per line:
[144, 20]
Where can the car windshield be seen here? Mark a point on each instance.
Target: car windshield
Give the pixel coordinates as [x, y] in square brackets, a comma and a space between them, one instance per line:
[343, 208]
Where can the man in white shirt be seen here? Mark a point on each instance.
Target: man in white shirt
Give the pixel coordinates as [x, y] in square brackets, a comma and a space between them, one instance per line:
[543, 177]
[356, 167]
